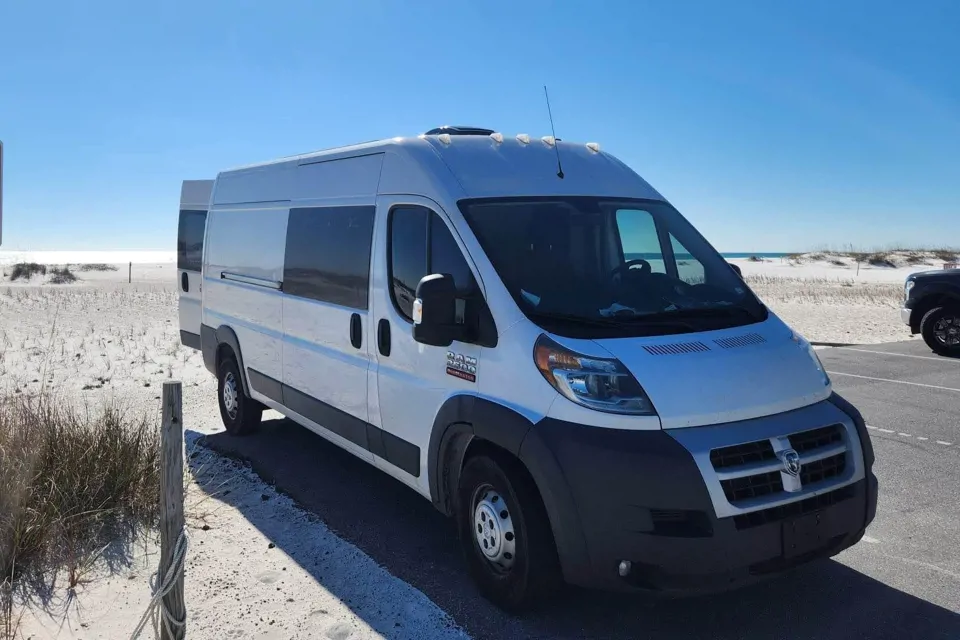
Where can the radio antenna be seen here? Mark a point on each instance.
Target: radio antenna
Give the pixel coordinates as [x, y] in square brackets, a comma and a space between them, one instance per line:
[553, 131]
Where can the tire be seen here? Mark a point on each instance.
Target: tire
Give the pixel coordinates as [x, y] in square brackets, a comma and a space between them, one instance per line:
[522, 566]
[944, 321]
[240, 414]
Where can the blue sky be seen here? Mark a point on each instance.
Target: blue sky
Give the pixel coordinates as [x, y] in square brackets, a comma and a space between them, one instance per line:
[771, 129]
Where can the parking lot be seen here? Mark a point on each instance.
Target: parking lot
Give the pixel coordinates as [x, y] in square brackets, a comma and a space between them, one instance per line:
[902, 581]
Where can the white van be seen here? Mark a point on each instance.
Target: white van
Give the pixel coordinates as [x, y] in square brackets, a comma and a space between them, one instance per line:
[553, 356]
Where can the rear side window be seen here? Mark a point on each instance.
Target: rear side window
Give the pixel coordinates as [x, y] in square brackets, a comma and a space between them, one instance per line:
[328, 254]
[190, 239]
[421, 244]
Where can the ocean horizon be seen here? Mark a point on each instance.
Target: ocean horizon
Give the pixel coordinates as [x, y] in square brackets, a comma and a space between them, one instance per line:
[169, 256]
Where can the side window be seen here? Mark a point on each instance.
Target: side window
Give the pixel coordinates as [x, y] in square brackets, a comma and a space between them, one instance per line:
[446, 257]
[328, 254]
[689, 268]
[407, 254]
[190, 239]
[639, 239]
[421, 244]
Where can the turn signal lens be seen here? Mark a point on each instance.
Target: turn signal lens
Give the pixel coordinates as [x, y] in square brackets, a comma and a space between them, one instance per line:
[603, 384]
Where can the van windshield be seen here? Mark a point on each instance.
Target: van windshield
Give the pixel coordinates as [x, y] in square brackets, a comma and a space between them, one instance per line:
[601, 267]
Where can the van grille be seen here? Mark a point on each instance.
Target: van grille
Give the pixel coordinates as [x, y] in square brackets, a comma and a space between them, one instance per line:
[825, 469]
[752, 472]
[741, 454]
[747, 487]
[809, 440]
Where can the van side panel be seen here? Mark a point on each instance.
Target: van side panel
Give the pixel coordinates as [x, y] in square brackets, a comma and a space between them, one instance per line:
[194, 202]
[242, 280]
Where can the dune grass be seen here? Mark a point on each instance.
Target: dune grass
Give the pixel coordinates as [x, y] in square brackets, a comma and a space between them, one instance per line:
[96, 266]
[70, 479]
[26, 270]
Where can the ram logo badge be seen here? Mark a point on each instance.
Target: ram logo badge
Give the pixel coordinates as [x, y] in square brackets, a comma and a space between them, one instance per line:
[461, 366]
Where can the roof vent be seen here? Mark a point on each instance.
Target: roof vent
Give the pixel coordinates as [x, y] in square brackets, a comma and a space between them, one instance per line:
[459, 131]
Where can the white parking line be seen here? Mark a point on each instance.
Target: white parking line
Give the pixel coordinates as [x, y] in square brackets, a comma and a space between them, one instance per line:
[912, 384]
[902, 355]
[907, 435]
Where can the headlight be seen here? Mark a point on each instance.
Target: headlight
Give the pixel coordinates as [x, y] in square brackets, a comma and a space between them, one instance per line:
[907, 287]
[810, 351]
[596, 383]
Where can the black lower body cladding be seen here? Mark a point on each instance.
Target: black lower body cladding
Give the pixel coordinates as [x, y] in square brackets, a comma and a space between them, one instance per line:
[615, 495]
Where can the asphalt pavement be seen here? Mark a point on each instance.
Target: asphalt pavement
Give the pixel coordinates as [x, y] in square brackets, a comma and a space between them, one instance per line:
[901, 581]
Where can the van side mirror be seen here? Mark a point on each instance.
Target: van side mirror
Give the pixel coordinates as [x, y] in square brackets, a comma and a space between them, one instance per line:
[736, 268]
[435, 311]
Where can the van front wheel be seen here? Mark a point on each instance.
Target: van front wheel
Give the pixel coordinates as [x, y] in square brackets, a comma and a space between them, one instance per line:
[240, 414]
[505, 534]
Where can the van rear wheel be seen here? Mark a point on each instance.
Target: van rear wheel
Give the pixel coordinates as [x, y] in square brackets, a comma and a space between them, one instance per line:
[240, 414]
[940, 329]
[505, 534]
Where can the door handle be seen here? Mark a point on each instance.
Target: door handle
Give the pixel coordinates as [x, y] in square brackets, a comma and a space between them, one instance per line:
[383, 337]
[356, 331]
[185, 282]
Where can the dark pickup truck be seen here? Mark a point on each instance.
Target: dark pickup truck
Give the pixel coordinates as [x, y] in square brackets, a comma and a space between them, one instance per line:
[931, 308]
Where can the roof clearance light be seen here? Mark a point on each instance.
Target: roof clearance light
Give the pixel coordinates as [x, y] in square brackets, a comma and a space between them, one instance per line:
[444, 138]
[523, 138]
[594, 146]
[497, 137]
[549, 140]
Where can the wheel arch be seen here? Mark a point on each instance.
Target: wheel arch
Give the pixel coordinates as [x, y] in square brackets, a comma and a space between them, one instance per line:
[467, 422]
[214, 343]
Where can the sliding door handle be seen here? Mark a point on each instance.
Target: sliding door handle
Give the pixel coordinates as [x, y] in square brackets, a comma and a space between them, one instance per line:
[383, 337]
[356, 331]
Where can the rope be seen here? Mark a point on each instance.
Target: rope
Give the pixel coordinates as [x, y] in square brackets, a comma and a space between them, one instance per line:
[174, 572]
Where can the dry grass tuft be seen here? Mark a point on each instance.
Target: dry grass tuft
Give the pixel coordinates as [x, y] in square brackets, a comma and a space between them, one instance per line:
[26, 270]
[96, 266]
[62, 276]
[70, 480]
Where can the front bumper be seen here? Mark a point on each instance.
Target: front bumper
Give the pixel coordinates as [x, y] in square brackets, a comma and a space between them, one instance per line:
[641, 496]
[905, 315]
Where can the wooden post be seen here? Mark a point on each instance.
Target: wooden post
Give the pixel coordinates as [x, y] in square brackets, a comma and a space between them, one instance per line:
[171, 505]
[130, 273]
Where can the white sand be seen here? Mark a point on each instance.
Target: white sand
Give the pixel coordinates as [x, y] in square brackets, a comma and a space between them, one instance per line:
[101, 337]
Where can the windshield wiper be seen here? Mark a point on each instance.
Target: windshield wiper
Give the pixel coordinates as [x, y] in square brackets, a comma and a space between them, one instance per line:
[570, 317]
[705, 312]
[619, 322]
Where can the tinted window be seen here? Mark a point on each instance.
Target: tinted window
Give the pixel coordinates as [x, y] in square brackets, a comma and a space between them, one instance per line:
[562, 260]
[408, 255]
[190, 239]
[328, 254]
[446, 257]
[421, 244]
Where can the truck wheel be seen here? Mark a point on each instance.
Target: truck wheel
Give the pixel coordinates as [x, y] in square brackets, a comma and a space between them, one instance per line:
[940, 329]
[505, 534]
[240, 414]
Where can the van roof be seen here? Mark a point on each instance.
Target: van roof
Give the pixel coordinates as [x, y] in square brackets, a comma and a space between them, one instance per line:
[483, 166]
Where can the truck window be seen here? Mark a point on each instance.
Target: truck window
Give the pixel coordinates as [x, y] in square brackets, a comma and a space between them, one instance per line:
[421, 244]
[190, 239]
[328, 254]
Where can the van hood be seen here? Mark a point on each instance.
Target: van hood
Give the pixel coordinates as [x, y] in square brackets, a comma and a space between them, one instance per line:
[724, 376]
